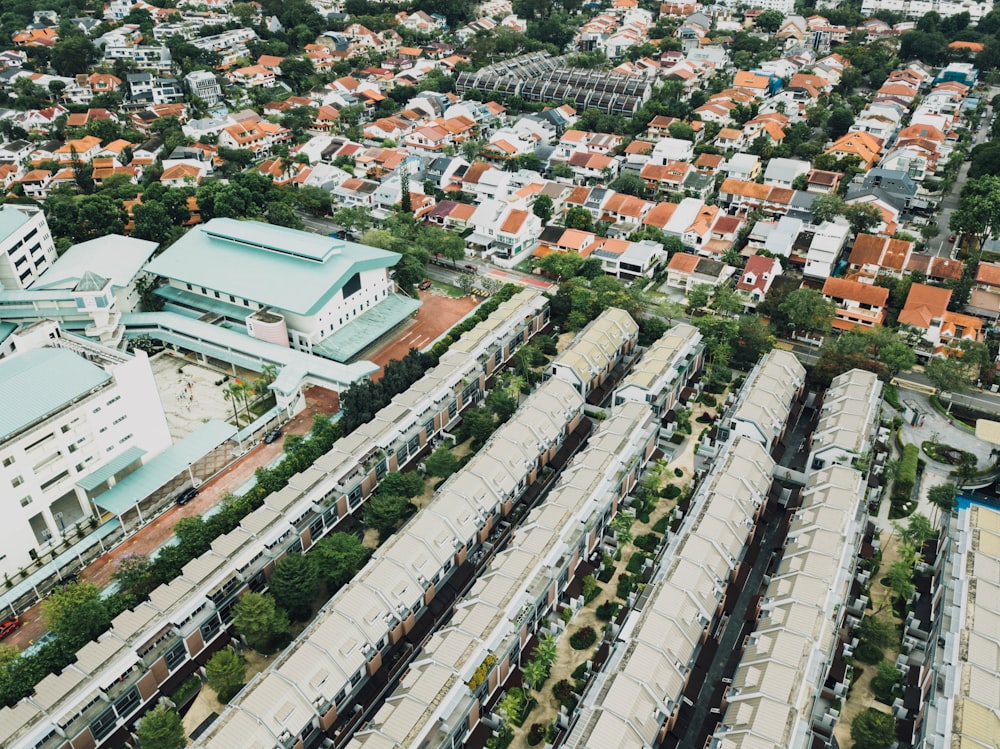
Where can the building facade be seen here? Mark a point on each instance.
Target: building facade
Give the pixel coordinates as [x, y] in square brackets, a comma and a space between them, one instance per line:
[76, 411]
[26, 246]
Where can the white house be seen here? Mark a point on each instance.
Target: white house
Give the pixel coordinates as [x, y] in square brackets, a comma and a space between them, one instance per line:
[26, 245]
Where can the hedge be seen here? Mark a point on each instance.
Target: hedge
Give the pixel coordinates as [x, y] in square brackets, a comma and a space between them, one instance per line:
[906, 475]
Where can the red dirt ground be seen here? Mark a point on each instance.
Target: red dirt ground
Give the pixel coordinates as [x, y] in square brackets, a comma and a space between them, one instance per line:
[437, 315]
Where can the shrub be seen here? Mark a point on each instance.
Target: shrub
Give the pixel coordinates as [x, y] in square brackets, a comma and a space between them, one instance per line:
[606, 574]
[607, 610]
[536, 734]
[678, 472]
[583, 638]
[707, 399]
[563, 692]
[884, 682]
[636, 562]
[624, 587]
[590, 588]
[647, 542]
[661, 525]
[677, 438]
[670, 491]
[906, 475]
[867, 652]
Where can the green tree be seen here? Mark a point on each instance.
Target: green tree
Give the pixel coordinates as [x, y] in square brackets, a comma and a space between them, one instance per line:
[226, 673]
[873, 729]
[385, 513]
[942, 496]
[258, 620]
[76, 613]
[807, 311]
[408, 484]
[579, 218]
[769, 20]
[900, 576]
[73, 55]
[862, 217]
[282, 214]
[98, 215]
[947, 374]
[726, 301]
[501, 403]
[295, 584]
[152, 222]
[161, 728]
[629, 183]
[698, 296]
[839, 122]
[134, 575]
[340, 557]
[442, 462]
[542, 207]
[354, 219]
[826, 207]
[450, 246]
[621, 525]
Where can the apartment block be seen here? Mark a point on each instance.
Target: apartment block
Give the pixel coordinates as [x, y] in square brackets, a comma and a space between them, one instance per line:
[26, 245]
[75, 414]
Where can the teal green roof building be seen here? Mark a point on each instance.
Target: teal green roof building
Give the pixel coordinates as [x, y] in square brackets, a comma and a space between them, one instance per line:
[277, 267]
[40, 382]
[326, 296]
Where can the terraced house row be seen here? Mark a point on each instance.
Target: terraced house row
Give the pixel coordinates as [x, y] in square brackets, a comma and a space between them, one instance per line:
[447, 692]
[314, 686]
[149, 650]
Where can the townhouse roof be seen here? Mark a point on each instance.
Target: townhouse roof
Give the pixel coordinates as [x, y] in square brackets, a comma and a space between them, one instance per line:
[874, 249]
[757, 268]
[514, 221]
[660, 214]
[924, 304]
[989, 274]
[863, 293]
[683, 262]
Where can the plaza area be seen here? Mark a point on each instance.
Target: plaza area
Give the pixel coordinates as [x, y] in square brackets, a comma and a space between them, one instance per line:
[191, 392]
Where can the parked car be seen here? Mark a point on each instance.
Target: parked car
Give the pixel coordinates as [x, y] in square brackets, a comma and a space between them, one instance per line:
[272, 436]
[472, 268]
[425, 284]
[952, 239]
[187, 495]
[9, 625]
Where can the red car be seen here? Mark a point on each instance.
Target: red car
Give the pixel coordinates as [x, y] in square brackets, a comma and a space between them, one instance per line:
[952, 239]
[425, 284]
[9, 625]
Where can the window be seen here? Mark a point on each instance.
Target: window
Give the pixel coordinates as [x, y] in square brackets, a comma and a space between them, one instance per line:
[8, 461]
[116, 398]
[16, 481]
[119, 420]
[26, 501]
[104, 724]
[175, 656]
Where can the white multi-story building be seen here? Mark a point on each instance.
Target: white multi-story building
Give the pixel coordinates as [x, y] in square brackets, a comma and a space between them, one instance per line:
[76, 415]
[918, 8]
[26, 246]
[204, 85]
[287, 287]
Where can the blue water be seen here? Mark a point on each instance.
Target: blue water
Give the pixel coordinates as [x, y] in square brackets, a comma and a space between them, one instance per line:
[965, 502]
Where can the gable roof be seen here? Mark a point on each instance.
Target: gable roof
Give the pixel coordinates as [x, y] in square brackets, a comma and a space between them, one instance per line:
[924, 304]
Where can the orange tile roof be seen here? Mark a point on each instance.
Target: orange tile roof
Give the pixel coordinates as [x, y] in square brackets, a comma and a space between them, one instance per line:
[924, 304]
[660, 214]
[864, 293]
[989, 274]
[683, 262]
[514, 221]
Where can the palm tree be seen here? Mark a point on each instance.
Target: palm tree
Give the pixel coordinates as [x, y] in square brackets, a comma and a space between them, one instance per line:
[234, 391]
[230, 396]
[942, 497]
[546, 651]
[535, 673]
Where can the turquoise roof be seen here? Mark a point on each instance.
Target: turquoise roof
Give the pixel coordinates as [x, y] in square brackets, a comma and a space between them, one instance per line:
[198, 304]
[97, 477]
[11, 219]
[367, 327]
[40, 382]
[276, 267]
[164, 467]
[241, 349]
[112, 256]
